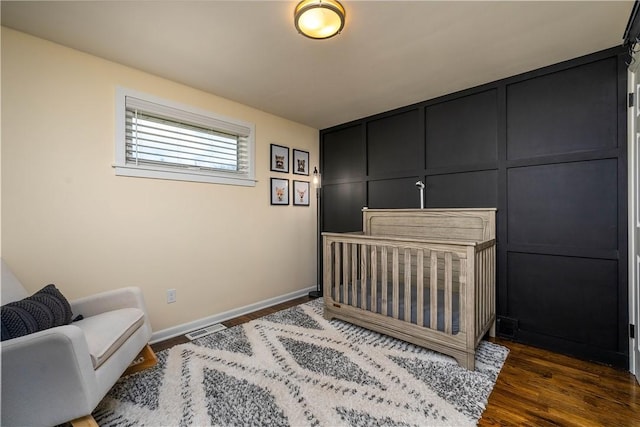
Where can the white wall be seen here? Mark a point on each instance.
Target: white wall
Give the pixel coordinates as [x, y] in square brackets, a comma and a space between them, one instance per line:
[67, 219]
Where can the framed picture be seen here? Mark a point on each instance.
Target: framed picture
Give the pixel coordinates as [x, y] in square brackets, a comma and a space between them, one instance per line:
[300, 193]
[279, 158]
[279, 191]
[300, 162]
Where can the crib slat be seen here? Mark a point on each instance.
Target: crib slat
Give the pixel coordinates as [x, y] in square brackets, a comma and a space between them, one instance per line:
[482, 288]
[462, 279]
[479, 288]
[420, 287]
[336, 271]
[327, 283]
[433, 286]
[476, 274]
[374, 279]
[407, 285]
[363, 277]
[385, 280]
[481, 284]
[448, 291]
[395, 303]
[345, 273]
[354, 274]
[485, 280]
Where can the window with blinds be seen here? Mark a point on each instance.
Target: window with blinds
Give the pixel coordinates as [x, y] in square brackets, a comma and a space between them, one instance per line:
[160, 139]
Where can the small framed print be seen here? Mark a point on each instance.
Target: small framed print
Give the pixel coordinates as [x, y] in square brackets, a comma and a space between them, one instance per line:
[300, 193]
[300, 162]
[279, 191]
[279, 158]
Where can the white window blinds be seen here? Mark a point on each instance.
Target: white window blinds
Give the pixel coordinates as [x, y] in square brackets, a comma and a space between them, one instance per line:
[177, 141]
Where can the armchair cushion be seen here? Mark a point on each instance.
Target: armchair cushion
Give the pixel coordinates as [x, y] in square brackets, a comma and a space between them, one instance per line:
[45, 309]
[106, 332]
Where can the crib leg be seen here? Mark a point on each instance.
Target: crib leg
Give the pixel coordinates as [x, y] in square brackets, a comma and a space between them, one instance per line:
[468, 361]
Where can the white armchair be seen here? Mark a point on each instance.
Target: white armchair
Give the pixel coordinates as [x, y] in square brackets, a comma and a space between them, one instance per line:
[61, 374]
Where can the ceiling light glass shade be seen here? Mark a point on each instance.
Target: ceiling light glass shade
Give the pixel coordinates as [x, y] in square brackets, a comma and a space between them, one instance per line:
[319, 19]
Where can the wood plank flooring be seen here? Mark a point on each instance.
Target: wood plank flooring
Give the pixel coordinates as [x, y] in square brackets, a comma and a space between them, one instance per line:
[540, 388]
[535, 387]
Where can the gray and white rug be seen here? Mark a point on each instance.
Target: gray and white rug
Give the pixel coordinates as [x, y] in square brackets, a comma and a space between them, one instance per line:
[295, 368]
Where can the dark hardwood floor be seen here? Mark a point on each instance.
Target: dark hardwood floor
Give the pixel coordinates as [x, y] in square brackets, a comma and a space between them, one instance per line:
[540, 388]
[535, 387]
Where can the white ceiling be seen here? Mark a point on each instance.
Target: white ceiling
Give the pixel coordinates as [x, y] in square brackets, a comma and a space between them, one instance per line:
[390, 53]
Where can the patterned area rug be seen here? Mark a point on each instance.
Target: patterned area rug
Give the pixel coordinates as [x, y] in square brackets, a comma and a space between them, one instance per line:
[295, 368]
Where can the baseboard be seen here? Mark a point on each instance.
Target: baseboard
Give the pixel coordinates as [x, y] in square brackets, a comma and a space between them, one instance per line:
[175, 331]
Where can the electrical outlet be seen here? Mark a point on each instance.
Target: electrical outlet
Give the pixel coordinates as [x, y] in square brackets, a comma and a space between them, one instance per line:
[171, 296]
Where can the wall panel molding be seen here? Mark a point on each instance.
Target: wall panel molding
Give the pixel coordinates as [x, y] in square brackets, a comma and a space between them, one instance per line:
[548, 149]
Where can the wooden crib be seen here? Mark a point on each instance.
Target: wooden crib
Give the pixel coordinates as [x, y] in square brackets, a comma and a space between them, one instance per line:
[426, 276]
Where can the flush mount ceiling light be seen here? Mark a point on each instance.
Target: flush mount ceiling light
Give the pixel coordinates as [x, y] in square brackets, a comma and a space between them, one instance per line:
[319, 19]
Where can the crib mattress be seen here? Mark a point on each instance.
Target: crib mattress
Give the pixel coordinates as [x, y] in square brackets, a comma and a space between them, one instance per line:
[426, 306]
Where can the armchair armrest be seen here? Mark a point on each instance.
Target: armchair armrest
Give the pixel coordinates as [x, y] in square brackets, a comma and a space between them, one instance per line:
[47, 372]
[130, 297]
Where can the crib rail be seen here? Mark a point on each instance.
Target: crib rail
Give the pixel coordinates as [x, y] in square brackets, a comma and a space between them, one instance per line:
[442, 287]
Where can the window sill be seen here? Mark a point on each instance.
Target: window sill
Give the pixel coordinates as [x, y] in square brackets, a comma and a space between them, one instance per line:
[183, 175]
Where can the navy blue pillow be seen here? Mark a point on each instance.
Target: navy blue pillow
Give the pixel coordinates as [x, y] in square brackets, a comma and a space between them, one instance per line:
[45, 309]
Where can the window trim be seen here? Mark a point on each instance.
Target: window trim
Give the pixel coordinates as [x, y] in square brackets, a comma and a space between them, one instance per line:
[122, 168]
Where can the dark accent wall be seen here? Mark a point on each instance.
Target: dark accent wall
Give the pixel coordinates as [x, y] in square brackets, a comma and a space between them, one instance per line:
[548, 149]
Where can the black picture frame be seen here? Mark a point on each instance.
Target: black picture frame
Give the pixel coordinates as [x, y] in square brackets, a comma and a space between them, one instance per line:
[279, 158]
[300, 162]
[279, 191]
[300, 193]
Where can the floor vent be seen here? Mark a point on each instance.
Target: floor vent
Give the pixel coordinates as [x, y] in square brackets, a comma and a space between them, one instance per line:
[205, 331]
[507, 327]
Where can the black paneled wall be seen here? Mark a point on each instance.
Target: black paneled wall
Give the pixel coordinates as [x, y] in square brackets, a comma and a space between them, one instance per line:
[548, 149]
